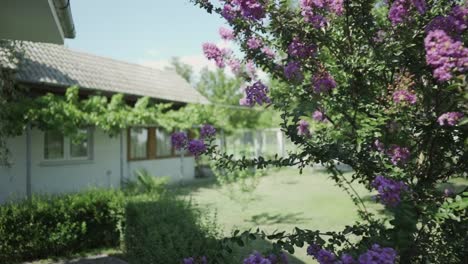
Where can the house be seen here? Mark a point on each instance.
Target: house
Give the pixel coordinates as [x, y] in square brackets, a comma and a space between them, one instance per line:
[39, 20]
[48, 162]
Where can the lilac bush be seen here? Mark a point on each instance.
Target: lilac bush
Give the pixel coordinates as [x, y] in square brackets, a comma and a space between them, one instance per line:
[390, 79]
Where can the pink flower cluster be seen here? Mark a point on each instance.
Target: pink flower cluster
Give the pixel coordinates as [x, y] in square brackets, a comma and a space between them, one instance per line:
[226, 34]
[400, 10]
[257, 258]
[398, 155]
[309, 10]
[254, 43]
[303, 128]
[389, 190]
[323, 82]
[404, 96]
[449, 118]
[445, 51]
[197, 147]
[292, 71]
[249, 9]
[212, 52]
[179, 140]
[299, 49]
[318, 116]
[255, 93]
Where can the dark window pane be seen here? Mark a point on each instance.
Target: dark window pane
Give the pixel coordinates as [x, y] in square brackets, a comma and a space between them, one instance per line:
[53, 145]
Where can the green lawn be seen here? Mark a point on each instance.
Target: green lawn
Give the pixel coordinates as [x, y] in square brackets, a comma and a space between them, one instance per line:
[281, 201]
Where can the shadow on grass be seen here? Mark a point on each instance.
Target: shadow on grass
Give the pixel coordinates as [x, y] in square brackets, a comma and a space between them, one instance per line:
[271, 219]
[192, 186]
[260, 245]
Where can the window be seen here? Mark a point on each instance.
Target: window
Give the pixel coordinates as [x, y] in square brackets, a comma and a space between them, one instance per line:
[59, 147]
[138, 143]
[150, 143]
[163, 143]
[53, 146]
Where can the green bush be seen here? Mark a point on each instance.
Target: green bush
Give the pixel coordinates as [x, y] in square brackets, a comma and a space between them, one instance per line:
[166, 231]
[146, 183]
[49, 226]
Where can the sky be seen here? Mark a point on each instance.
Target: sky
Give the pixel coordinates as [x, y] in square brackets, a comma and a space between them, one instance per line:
[147, 32]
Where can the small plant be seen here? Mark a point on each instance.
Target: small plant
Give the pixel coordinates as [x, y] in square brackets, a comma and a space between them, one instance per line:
[146, 184]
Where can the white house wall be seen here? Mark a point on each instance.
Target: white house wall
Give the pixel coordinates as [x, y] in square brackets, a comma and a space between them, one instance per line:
[165, 168]
[103, 171]
[13, 178]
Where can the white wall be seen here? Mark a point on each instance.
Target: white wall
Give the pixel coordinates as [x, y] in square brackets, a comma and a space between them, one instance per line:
[165, 168]
[13, 179]
[103, 171]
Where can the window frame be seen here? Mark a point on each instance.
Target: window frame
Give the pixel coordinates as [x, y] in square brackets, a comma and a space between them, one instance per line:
[66, 142]
[151, 147]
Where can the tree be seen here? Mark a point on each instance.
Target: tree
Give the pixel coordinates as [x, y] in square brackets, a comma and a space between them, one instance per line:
[384, 86]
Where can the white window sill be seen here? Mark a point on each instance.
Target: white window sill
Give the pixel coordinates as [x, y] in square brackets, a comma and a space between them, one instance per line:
[50, 163]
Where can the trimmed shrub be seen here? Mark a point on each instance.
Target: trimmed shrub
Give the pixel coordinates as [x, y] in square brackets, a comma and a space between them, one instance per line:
[49, 226]
[166, 231]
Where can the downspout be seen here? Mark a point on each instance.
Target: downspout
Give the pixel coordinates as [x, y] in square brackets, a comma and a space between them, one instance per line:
[122, 158]
[28, 161]
[63, 10]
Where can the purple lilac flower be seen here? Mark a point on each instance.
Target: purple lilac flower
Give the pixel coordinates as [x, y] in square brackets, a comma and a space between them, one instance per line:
[251, 70]
[254, 43]
[196, 147]
[404, 96]
[448, 192]
[378, 255]
[179, 140]
[229, 12]
[400, 10]
[347, 259]
[318, 116]
[207, 131]
[379, 146]
[256, 93]
[389, 191]
[268, 52]
[212, 52]
[445, 51]
[300, 50]
[325, 257]
[398, 155]
[256, 258]
[303, 128]
[323, 82]
[226, 34]
[235, 66]
[308, 8]
[292, 71]
[445, 54]
[251, 9]
[189, 260]
[313, 249]
[449, 118]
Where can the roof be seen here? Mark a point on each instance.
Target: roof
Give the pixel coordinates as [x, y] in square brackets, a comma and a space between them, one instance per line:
[55, 65]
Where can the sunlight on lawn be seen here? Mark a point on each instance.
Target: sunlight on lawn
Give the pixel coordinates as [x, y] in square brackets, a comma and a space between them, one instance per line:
[282, 200]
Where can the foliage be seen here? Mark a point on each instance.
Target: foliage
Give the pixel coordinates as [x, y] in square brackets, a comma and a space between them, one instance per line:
[48, 226]
[10, 53]
[146, 184]
[389, 82]
[159, 232]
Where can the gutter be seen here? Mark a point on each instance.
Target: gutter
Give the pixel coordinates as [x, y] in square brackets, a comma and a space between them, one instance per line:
[63, 11]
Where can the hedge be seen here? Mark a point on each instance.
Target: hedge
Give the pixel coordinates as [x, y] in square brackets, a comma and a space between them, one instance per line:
[166, 231]
[47, 226]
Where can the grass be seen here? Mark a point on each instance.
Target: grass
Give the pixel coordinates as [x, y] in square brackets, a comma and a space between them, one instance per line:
[280, 201]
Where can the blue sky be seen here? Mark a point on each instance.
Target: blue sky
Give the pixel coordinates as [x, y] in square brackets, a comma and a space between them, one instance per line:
[148, 32]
